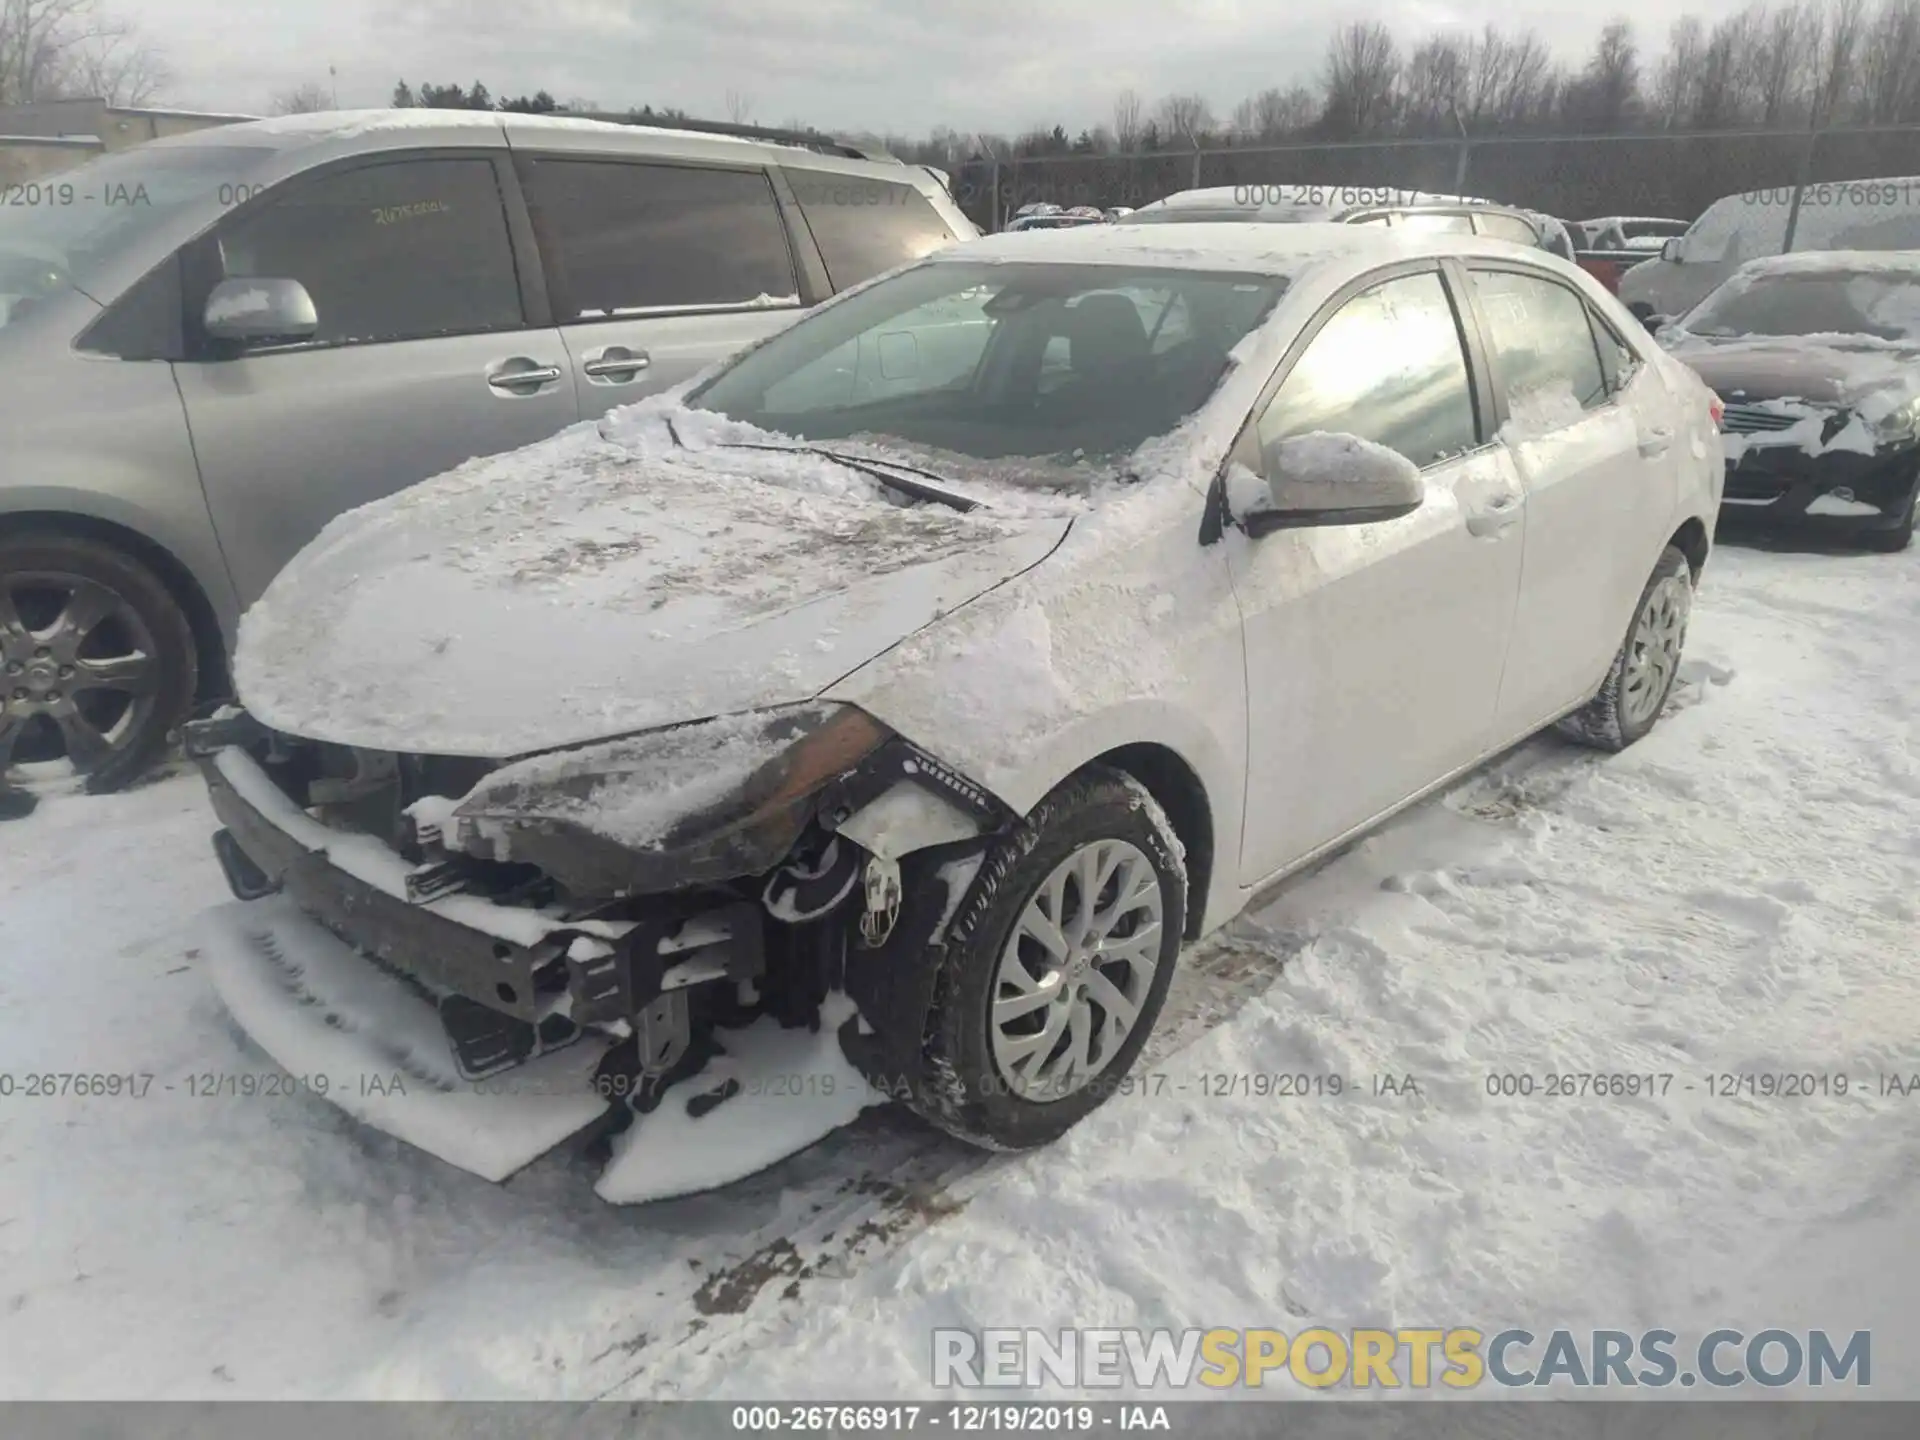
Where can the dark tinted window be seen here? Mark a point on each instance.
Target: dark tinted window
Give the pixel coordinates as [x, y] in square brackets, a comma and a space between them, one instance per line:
[1388, 367]
[866, 226]
[621, 237]
[1541, 339]
[389, 252]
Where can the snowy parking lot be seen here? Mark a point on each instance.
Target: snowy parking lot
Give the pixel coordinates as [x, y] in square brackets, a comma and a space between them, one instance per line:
[1725, 911]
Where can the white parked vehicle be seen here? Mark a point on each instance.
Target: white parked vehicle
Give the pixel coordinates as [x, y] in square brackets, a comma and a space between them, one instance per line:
[932, 670]
[1877, 214]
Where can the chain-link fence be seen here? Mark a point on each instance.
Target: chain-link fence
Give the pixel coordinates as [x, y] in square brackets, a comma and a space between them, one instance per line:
[1671, 174]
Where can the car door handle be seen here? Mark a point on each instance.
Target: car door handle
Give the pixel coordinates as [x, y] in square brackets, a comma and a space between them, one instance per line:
[1656, 442]
[531, 374]
[1500, 512]
[617, 364]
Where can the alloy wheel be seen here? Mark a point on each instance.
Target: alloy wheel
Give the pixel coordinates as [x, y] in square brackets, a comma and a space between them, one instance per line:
[79, 670]
[1076, 970]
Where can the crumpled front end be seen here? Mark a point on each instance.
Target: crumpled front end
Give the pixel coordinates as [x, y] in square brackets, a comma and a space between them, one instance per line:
[485, 959]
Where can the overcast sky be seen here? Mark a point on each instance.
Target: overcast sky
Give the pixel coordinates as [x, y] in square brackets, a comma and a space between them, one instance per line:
[882, 65]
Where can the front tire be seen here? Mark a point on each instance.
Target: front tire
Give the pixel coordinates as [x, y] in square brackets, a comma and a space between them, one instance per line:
[1637, 686]
[97, 660]
[1056, 966]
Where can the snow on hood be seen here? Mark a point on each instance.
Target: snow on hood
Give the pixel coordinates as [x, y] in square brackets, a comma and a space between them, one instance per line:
[1810, 379]
[608, 581]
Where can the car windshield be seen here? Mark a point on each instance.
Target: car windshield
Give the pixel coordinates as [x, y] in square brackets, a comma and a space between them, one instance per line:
[64, 229]
[1880, 305]
[1044, 362]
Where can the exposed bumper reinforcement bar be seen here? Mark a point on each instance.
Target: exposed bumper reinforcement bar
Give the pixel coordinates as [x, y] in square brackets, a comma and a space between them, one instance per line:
[376, 1047]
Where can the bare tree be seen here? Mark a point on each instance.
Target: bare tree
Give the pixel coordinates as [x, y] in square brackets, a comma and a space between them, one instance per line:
[1724, 93]
[1890, 67]
[738, 107]
[1362, 70]
[1509, 80]
[1782, 69]
[302, 100]
[1126, 120]
[1434, 83]
[1677, 83]
[1187, 116]
[1843, 27]
[1608, 89]
[53, 49]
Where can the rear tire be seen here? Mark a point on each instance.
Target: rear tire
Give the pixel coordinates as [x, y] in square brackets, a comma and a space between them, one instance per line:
[1085, 902]
[1641, 678]
[97, 660]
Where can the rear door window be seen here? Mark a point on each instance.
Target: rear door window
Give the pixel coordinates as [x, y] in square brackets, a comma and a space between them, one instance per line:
[623, 238]
[866, 226]
[1542, 344]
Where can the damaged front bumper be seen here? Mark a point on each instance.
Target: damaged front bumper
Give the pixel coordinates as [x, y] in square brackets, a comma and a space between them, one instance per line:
[1838, 490]
[498, 1012]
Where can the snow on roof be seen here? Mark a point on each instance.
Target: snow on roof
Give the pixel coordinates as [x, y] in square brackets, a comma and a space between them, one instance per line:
[1814, 262]
[342, 124]
[1253, 247]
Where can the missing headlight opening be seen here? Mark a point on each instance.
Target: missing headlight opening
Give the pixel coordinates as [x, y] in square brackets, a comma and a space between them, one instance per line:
[656, 891]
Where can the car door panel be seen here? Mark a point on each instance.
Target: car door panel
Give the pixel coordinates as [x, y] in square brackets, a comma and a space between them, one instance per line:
[1374, 656]
[1592, 441]
[287, 441]
[1375, 651]
[422, 330]
[619, 361]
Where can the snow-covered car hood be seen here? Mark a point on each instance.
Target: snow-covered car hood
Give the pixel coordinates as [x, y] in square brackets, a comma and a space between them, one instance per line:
[608, 581]
[1873, 377]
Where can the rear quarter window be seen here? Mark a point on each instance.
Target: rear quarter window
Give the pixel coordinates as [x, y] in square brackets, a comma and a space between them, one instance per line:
[866, 226]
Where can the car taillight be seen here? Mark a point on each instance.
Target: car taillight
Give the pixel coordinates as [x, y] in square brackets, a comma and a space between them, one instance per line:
[1718, 410]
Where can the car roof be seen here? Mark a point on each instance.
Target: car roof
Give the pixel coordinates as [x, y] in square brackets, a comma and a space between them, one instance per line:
[385, 128]
[1249, 246]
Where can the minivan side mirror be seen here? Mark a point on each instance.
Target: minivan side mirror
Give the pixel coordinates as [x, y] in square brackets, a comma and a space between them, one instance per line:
[1326, 479]
[250, 309]
[1674, 252]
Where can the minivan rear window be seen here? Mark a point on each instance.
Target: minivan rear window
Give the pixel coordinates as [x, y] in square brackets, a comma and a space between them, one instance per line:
[863, 226]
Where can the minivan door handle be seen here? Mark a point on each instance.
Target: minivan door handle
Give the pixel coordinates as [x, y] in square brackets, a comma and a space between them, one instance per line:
[617, 364]
[1656, 441]
[521, 375]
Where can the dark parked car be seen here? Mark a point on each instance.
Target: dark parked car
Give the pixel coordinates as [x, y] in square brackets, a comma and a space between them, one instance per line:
[1817, 359]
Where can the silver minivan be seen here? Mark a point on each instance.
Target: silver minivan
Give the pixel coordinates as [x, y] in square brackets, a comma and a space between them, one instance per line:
[213, 344]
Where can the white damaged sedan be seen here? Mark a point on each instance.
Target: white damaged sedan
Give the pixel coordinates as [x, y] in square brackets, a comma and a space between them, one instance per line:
[876, 717]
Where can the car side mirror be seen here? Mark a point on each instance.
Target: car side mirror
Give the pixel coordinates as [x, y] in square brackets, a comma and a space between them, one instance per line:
[1322, 479]
[1654, 323]
[1674, 252]
[251, 310]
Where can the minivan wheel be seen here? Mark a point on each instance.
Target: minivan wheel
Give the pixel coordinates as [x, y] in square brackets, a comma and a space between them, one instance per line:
[1055, 967]
[97, 660]
[1648, 663]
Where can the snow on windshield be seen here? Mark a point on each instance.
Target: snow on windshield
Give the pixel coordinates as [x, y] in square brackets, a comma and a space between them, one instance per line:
[1881, 304]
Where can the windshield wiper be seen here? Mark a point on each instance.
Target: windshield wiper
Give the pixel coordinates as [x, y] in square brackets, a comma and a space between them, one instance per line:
[885, 471]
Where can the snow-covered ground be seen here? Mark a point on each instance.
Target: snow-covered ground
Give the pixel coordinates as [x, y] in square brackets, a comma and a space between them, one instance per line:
[1735, 895]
